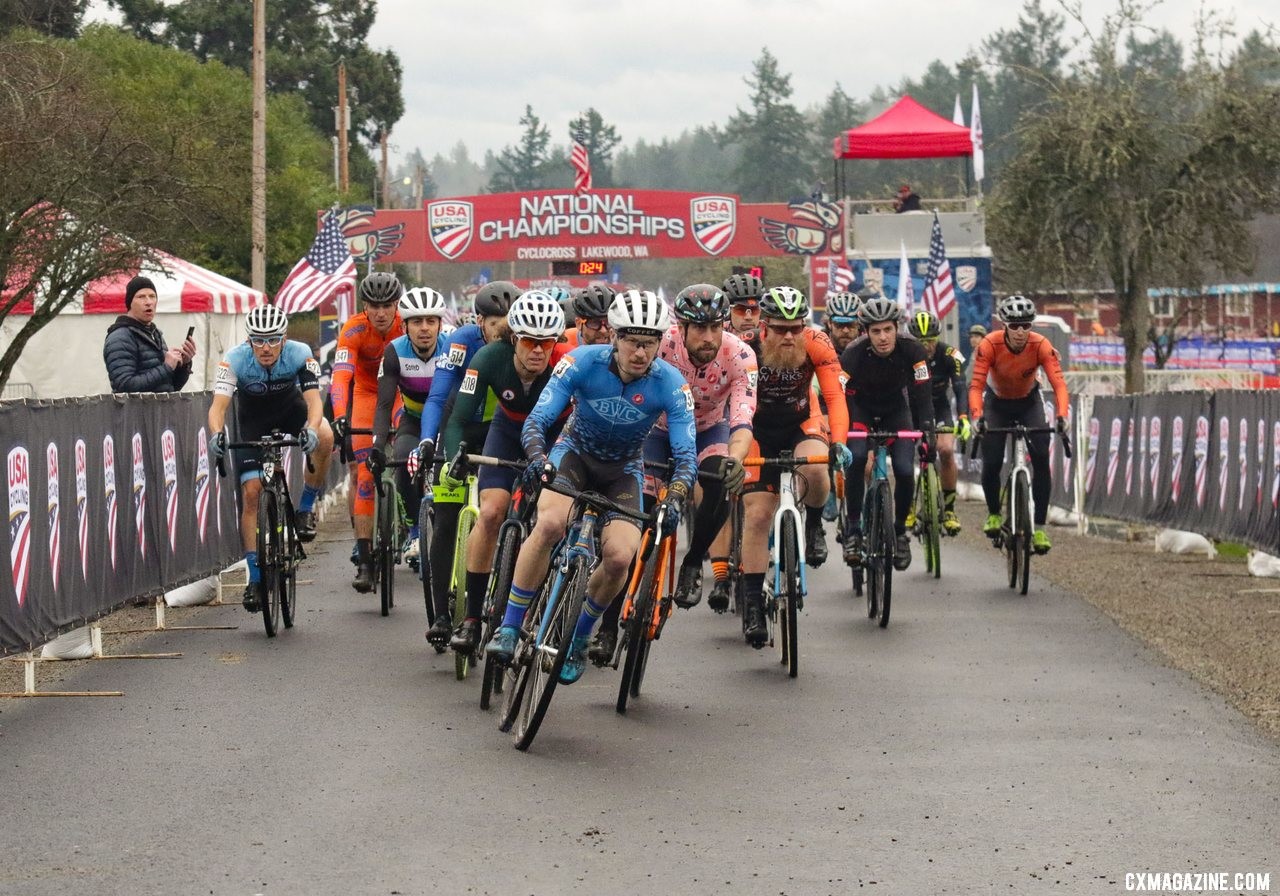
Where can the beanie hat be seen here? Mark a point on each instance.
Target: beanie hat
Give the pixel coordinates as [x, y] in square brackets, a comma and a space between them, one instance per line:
[137, 283]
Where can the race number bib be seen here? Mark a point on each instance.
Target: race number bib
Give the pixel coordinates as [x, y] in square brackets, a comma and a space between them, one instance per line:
[921, 371]
[469, 382]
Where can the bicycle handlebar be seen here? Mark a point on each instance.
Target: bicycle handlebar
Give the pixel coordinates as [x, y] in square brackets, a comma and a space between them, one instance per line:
[886, 434]
[275, 440]
[1019, 429]
[599, 501]
[787, 462]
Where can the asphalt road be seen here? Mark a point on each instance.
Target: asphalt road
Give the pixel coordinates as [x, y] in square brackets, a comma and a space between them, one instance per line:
[983, 743]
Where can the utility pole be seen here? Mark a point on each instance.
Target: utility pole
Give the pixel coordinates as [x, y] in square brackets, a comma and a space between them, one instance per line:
[258, 258]
[386, 184]
[344, 122]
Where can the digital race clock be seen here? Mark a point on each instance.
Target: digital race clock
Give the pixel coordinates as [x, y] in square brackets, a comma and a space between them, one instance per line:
[577, 269]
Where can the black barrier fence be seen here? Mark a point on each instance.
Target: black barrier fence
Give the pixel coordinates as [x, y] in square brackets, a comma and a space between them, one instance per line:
[110, 498]
[1206, 462]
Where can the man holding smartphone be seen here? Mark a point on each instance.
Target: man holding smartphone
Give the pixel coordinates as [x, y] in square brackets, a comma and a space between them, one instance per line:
[137, 358]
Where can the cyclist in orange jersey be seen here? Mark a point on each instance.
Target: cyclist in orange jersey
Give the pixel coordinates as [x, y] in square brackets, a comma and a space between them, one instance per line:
[591, 310]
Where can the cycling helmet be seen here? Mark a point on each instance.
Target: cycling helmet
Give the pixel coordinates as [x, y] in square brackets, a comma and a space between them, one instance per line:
[593, 302]
[266, 320]
[842, 307]
[639, 312]
[924, 325]
[421, 301]
[381, 287]
[495, 298]
[701, 303]
[784, 303]
[536, 314]
[1016, 310]
[879, 310]
[743, 288]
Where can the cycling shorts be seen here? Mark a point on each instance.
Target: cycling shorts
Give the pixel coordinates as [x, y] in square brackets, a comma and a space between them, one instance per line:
[620, 481]
[711, 442]
[289, 419]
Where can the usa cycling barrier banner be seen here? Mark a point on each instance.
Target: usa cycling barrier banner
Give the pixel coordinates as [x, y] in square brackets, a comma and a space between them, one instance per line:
[110, 498]
[1203, 462]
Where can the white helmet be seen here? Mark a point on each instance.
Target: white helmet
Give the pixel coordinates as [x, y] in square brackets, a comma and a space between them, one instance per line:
[266, 320]
[421, 301]
[639, 311]
[535, 313]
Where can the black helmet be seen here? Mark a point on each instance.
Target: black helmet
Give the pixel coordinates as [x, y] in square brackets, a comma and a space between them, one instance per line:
[381, 288]
[701, 303]
[924, 325]
[592, 302]
[495, 298]
[743, 288]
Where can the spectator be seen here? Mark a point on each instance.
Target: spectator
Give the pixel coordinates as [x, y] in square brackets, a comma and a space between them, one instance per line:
[135, 353]
[976, 334]
[906, 201]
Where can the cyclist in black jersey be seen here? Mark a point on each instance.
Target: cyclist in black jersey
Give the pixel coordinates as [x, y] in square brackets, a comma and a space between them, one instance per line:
[946, 366]
[841, 321]
[744, 292]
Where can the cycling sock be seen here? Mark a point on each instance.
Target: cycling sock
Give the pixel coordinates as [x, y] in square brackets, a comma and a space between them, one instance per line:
[364, 549]
[591, 611]
[949, 499]
[477, 585]
[812, 518]
[251, 561]
[517, 603]
[308, 501]
[610, 618]
[413, 533]
[720, 568]
[752, 586]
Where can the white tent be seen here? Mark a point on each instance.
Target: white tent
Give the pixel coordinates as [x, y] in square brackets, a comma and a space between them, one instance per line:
[65, 357]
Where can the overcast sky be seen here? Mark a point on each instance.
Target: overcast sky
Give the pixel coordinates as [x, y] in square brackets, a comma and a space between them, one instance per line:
[658, 67]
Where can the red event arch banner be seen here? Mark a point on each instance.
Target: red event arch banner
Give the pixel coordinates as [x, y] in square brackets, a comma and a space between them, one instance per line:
[606, 225]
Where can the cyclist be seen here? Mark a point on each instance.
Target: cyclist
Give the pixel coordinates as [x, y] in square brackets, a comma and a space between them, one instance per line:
[354, 391]
[510, 373]
[792, 353]
[721, 372]
[278, 381]
[744, 292]
[1005, 391]
[492, 303]
[408, 366]
[888, 388]
[591, 308]
[946, 370]
[619, 392]
[842, 319]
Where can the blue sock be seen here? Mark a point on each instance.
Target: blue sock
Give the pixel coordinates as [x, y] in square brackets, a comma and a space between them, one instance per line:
[413, 532]
[517, 603]
[309, 495]
[251, 560]
[587, 621]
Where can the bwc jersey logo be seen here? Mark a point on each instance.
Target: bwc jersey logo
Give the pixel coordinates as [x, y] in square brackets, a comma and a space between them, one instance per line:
[713, 220]
[20, 521]
[55, 508]
[617, 410]
[82, 506]
[139, 495]
[109, 493]
[169, 454]
[450, 224]
[202, 483]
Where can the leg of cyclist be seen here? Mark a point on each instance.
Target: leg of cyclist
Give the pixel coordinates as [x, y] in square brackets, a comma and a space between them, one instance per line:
[903, 458]
[313, 483]
[1041, 476]
[718, 600]
[817, 483]
[712, 509]
[947, 473]
[444, 530]
[362, 408]
[619, 541]
[250, 488]
[995, 415]
[760, 501]
[406, 440]
[855, 484]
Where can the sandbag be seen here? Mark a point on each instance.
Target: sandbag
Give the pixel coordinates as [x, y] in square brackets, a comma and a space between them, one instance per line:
[1175, 541]
[198, 592]
[1264, 565]
[74, 645]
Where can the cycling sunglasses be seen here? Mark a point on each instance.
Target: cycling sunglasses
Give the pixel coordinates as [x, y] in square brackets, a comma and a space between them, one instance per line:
[595, 326]
[531, 342]
[1023, 326]
[260, 341]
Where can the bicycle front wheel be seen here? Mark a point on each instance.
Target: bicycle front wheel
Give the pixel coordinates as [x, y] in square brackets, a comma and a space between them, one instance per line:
[882, 557]
[1022, 494]
[931, 520]
[550, 652]
[635, 630]
[495, 606]
[385, 549]
[269, 559]
[789, 596]
[466, 521]
[424, 558]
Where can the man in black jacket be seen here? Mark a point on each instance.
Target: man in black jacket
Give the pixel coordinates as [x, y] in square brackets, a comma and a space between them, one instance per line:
[135, 353]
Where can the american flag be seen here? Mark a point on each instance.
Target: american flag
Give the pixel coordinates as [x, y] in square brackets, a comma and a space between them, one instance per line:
[839, 277]
[326, 269]
[581, 161]
[939, 292]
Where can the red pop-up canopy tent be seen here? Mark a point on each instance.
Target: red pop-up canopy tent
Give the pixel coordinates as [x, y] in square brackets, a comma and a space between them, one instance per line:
[906, 130]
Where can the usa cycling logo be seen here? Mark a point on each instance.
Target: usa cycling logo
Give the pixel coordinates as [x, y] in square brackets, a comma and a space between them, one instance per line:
[20, 521]
[713, 220]
[109, 493]
[1202, 457]
[82, 506]
[1244, 462]
[617, 410]
[1275, 462]
[54, 508]
[1224, 439]
[1153, 449]
[169, 455]
[1175, 460]
[1091, 464]
[139, 495]
[450, 224]
[1113, 464]
[1128, 460]
[202, 483]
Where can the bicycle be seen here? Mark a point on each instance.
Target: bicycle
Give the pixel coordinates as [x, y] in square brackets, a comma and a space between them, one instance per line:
[279, 550]
[785, 589]
[1018, 525]
[513, 531]
[878, 534]
[390, 526]
[928, 511]
[649, 600]
[549, 623]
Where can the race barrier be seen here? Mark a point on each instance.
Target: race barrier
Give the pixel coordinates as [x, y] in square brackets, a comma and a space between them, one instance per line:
[110, 498]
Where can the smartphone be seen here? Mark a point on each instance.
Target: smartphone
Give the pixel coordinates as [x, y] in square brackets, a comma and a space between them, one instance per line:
[191, 331]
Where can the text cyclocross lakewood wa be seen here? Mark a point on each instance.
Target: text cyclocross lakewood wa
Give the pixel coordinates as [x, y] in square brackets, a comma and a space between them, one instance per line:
[1198, 881]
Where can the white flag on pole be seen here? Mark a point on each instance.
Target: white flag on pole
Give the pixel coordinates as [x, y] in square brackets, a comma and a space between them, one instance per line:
[975, 136]
[905, 291]
[957, 117]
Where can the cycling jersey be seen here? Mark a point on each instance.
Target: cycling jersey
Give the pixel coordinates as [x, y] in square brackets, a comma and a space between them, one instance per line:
[875, 385]
[1011, 374]
[405, 378]
[460, 347]
[491, 382]
[724, 389]
[610, 418]
[783, 397]
[356, 362]
[295, 371]
[946, 369]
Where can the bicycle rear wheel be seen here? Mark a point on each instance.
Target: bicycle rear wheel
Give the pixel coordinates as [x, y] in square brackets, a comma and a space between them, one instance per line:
[495, 606]
[789, 596]
[385, 549]
[1012, 550]
[466, 521]
[635, 630]
[880, 574]
[516, 675]
[1022, 494]
[289, 573]
[931, 521]
[424, 558]
[871, 549]
[269, 559]
[550, 653]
